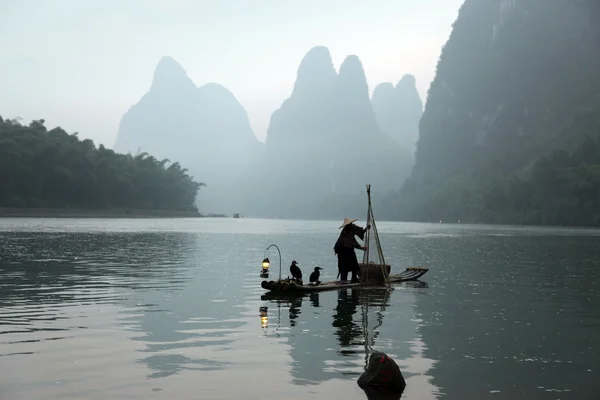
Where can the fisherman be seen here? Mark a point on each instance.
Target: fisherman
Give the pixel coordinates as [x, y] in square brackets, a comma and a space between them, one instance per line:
[344, 249]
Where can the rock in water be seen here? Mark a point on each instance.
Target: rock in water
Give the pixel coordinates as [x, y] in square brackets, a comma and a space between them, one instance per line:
[382, 372]
[381, 393]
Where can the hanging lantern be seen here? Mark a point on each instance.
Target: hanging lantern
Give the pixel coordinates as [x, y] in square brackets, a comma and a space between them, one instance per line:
[266, 264]
[264, 318]
[264, 273]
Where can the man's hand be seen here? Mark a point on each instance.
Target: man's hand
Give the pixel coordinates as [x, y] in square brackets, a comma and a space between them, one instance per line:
[368, 227]
[364, 248]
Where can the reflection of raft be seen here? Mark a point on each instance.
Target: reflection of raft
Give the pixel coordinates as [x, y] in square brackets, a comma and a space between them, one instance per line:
[285, 285]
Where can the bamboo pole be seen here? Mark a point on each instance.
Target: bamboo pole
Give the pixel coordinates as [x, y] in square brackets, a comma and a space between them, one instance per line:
[371, 220]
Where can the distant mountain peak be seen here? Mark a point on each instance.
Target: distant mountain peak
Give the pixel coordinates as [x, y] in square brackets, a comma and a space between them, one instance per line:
[169, 73]
[352, 79]
[407, 80]
[318, 55]
[383, 100]
[399, 109]
[316, 70]
[383, 88]
[216, 89]
[352, 65]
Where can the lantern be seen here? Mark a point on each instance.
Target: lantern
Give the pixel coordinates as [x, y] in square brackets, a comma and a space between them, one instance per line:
[264, 273]
[264, 318]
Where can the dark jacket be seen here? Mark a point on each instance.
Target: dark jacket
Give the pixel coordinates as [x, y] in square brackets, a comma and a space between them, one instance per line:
[346, 241]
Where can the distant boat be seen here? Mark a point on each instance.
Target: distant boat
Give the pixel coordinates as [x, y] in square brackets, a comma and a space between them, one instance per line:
[236, 215]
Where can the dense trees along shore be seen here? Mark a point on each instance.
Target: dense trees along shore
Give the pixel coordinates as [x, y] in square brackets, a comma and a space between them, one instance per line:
[41, 168]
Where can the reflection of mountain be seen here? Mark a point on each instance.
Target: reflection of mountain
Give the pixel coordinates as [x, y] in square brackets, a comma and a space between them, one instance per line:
[147, 274]
[329, 343]
[175, 327]
[69, 260]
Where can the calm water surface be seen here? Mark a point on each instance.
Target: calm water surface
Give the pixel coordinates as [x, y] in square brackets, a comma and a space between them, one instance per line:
[170, 309]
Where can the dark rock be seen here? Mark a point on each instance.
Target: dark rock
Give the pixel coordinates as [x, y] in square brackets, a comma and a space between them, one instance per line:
[382, 372]
[378, 393]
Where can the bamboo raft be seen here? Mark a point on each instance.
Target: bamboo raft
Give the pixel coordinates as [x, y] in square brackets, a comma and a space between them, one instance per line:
[372, 274]
[289, 286]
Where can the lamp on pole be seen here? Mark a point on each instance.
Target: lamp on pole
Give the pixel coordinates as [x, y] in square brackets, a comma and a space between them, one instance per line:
[266, 263]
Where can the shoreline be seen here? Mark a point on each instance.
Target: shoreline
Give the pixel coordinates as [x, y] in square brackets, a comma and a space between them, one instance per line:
[26, 212]
[120, 213]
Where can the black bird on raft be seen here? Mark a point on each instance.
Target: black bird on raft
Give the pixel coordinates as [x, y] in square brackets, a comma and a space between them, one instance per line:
[315, 275]
[296, 272]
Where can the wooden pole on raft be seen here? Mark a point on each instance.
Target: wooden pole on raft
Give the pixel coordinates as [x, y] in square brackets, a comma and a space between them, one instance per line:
[367, 236]
[371, 221]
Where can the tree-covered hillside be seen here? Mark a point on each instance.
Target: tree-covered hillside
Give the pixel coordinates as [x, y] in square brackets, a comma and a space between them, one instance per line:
[50, 168]
[510, 129]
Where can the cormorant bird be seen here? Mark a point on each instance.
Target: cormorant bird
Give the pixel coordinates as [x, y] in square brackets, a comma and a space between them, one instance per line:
[295, 271]
[314, 276]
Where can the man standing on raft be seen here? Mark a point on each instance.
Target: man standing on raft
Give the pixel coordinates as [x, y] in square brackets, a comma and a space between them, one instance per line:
[344, 249]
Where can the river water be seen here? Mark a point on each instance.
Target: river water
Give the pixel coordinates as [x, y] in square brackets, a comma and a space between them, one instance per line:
[170, 309]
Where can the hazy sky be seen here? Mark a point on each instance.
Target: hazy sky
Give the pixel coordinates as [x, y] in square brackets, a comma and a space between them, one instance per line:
[81, 64]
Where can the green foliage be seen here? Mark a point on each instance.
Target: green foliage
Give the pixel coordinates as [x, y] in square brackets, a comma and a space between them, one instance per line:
[560, 189]
[50, 168]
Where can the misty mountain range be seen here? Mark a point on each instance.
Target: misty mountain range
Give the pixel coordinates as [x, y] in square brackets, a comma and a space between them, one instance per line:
[325, 142]
[510, 132]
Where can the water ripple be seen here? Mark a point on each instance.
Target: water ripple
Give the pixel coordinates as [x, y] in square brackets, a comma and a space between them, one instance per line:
[156, 309]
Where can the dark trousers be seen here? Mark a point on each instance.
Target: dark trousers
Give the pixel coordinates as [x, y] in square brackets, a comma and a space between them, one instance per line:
[347, 262]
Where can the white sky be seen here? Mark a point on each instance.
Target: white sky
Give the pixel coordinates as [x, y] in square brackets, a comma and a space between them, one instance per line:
[81, 64]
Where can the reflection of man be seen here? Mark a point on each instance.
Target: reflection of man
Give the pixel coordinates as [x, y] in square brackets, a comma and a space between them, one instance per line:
[347, 330]
[294, 310]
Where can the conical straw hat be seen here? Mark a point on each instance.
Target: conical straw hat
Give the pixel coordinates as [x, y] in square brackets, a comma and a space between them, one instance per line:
[347, 221]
